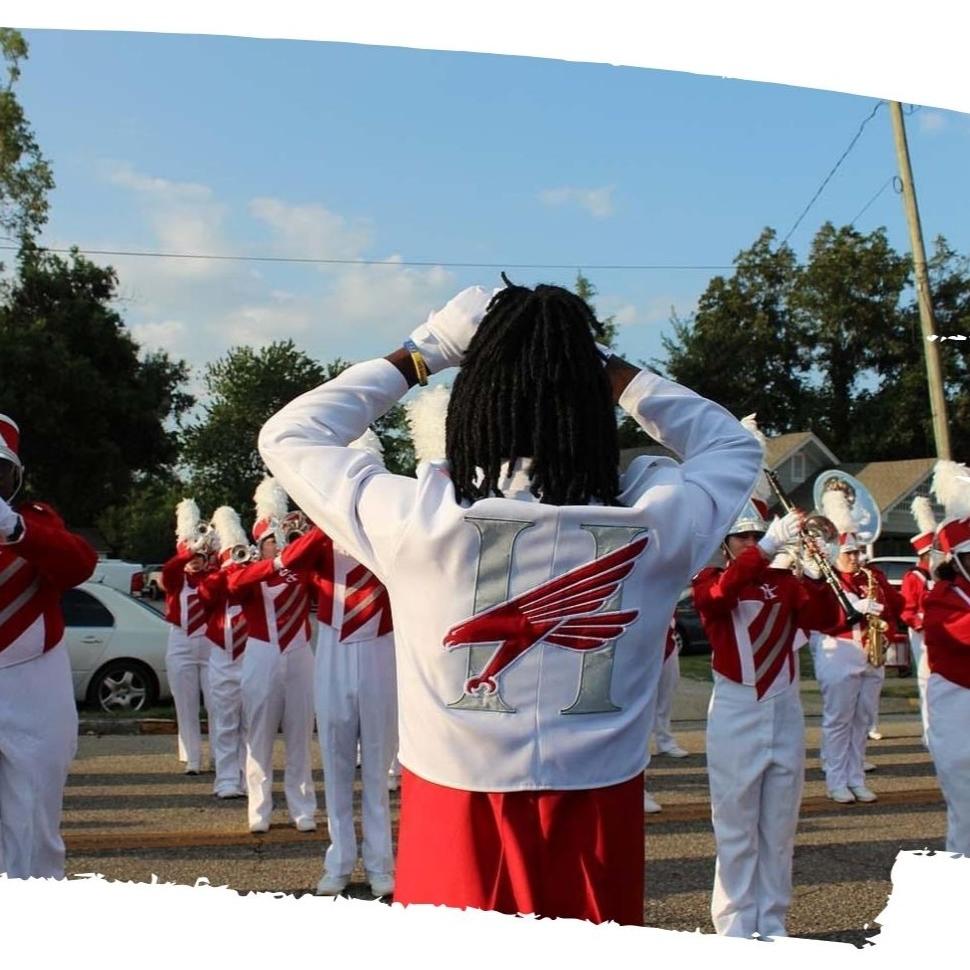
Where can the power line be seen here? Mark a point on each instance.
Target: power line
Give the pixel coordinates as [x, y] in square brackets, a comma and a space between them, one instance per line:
[889, 181]
[835, 168]
[373, 262]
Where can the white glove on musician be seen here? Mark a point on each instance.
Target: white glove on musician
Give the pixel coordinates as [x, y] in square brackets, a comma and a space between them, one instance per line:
[810, 569]
[780, 533]
[444, 337]
[9, 520]
[868, 606]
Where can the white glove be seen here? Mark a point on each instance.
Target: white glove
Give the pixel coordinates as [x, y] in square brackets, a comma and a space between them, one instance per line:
[810, 569]
[444, 337]
[9, 520]
[780, 533]
[865, 606]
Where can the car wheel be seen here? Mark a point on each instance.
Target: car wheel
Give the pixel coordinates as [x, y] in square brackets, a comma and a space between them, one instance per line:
[123, 687]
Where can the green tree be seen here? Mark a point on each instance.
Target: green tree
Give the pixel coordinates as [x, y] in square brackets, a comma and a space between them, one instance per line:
[95, 412]
[244, 389]
[743, 347]
[586, 290]
[893, 417]
[847, 301]
[142, 528]
[25, 175]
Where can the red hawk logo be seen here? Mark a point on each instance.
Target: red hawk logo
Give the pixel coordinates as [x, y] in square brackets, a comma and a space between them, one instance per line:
[561, 611]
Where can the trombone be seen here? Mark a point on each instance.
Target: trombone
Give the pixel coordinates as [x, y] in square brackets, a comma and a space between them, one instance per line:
[816, 531]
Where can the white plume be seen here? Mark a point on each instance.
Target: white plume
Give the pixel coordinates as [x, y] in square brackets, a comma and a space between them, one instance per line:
[187, 519]
[225, 520]
[271, 501]
[835, 506]
[369, 441]
[749, 423]
[426, 414]
[922, 509]
[951, 486]
[762, 488]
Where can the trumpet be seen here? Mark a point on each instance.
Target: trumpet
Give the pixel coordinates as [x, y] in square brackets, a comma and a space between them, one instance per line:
[242, 553]
[206, 539]
[817, 532]
[294, 525]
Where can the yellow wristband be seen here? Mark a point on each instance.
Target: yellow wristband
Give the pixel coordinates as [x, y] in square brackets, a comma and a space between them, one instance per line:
[420, 366]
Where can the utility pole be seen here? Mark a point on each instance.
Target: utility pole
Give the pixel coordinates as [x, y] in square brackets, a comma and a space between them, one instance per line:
[934, 370]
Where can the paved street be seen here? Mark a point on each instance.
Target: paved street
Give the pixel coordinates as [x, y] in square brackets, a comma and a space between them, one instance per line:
[130, 814]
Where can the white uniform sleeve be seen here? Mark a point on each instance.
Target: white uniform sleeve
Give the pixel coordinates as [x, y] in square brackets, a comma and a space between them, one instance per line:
[721, 459]
[347, 492]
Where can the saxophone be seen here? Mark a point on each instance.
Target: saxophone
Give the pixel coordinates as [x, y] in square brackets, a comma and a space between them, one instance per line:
[874, 638]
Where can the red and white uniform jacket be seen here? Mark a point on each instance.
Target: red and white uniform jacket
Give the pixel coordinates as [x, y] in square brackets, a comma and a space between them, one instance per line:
[946, 628]
[857, 585]
[34, 571]
[226, 624]
[350, 598]
[183, 608]
[916, 584]
[528, 636]
[752, 614]
[276, 604]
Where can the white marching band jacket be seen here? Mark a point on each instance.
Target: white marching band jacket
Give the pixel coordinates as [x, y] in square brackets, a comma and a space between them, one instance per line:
[529, 636]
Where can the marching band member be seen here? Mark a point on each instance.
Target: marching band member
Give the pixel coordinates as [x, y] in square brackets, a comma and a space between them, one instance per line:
[531, 589]
[227, 630]
[39, 560]
[946, 625]
[277, 667]
[754, 615]
[917, 582]
[849, 683]
[666, 688]
[355, 694]
[187, 655]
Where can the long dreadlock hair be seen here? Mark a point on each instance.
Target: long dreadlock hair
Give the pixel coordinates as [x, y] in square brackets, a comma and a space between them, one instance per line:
[532, 385]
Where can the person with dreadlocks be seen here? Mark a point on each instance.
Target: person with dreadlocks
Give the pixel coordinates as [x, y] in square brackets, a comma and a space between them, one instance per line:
[531, 587]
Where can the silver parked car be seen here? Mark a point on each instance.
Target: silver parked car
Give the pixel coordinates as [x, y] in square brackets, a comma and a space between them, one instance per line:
[117, 647]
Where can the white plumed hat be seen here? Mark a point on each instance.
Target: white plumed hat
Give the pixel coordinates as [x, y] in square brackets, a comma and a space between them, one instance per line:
[427, 413]
[187, 520]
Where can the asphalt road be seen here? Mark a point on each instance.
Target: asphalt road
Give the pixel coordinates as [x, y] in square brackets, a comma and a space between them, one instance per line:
[130, 814]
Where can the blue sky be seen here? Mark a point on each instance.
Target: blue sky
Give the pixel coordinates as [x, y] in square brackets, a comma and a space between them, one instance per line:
[281, 148]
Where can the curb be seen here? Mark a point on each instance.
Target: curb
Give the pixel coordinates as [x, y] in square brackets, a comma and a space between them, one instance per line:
[130, 725]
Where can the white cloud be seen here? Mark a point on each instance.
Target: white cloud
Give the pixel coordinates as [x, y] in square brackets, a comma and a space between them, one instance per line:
[597, 202]
[198, 309]
[184, 217]
[931, 121]
[311, 231]
[168, 335]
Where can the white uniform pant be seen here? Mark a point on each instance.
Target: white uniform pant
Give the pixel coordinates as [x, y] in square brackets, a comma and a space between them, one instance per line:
[356, 700]
[38, 740]
[756, 766]
[850, 706]
[187, 664]
[277, 689]
[922, 666]
[948, 733]
[666, 688]
[226, 736]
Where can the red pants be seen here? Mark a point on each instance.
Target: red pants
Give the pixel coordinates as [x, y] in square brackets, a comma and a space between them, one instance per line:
[575, 854]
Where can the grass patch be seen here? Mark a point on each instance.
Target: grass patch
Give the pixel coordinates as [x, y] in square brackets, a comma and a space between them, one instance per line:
[696, 666]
